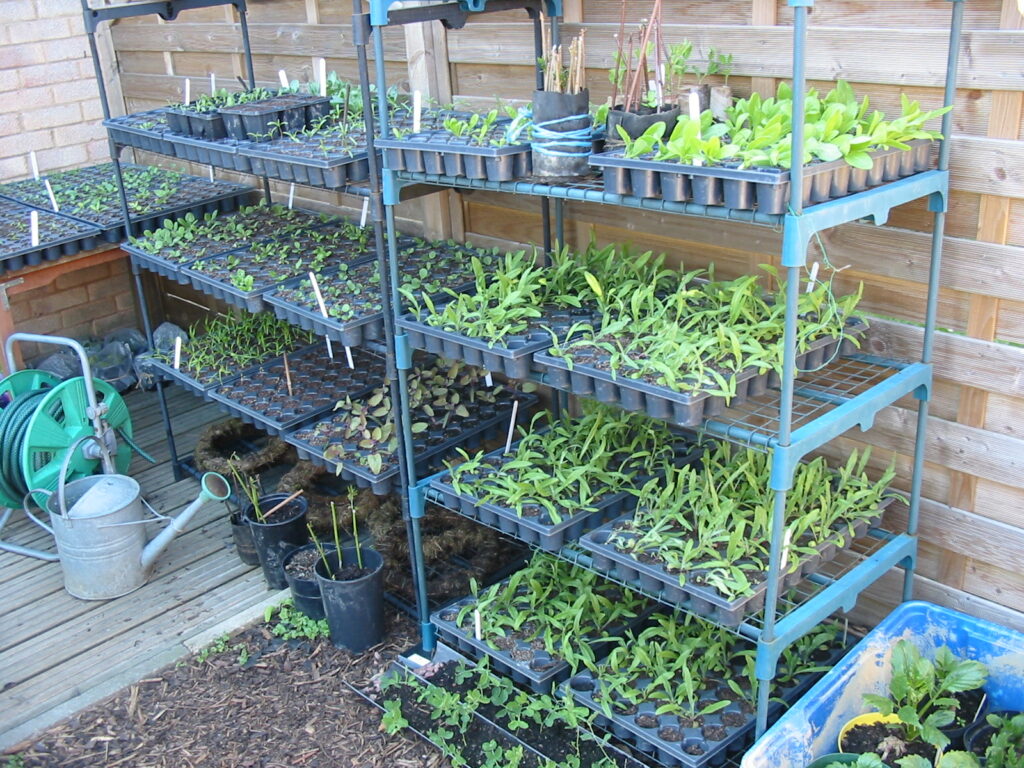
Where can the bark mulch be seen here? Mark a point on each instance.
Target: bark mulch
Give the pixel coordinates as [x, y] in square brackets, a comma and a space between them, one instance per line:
[285, 704]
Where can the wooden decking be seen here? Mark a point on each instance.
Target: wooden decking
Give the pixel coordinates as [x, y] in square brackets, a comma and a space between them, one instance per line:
[59, 654]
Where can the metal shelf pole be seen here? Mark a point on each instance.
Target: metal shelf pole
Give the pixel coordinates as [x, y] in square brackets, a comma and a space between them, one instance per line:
[782, 478]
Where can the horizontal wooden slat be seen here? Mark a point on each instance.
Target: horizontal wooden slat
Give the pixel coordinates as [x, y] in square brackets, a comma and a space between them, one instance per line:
[832, 53]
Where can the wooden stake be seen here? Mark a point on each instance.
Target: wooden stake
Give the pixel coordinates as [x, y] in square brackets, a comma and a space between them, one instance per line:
[281, 504]
[288, 376]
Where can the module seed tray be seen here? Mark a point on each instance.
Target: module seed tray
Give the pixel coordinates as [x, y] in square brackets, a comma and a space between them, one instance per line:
[427, 457]
[442, 154]
[143, 130]
[537, 668]
[334, 172]
[514, 357]
[766, 189]
[681, 409]
[318, 383]
[59, 236]
[224, 153]
[549, 537]
[674, 589]
[691, 747]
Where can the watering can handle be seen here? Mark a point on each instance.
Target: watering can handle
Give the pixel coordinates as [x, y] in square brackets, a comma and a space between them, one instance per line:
[62, 477]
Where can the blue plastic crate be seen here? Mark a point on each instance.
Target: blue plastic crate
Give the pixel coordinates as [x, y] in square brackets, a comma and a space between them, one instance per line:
[810, 728]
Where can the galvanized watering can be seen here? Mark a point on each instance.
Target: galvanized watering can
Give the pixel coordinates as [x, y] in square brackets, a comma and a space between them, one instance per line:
[98, 526]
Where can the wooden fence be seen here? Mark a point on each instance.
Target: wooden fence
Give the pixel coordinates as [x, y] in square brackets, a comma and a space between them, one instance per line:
[972, 530]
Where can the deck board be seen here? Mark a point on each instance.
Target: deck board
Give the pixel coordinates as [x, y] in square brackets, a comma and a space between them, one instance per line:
[58, 652]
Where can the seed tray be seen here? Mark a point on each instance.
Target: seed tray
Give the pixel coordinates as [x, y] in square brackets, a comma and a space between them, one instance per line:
[58, 236]
[224, 153]
[335, 171]
[681, 409]
[260, 120]
[541, 671]
[427, 457]
[440, 153]
[766, 189]
[317, 389]
[142, 130]
[650, 741]
[514, 357]
[194, 195]
[549, 537]
[654, 579]
[202, 125]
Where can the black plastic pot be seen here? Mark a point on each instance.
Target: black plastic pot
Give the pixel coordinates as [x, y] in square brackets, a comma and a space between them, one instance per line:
[354, 609]
[550, 113]
[276, 539]
[635, 123]
[305, 592]
[241, 534]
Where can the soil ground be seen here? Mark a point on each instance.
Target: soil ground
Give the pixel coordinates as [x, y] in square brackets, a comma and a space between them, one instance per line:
[287, 704]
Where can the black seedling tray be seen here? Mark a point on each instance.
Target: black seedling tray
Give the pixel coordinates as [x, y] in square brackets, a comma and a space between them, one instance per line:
[650, 741]
[203, 125]
[681, 409]
[332, 172]
[334, 381]
[766, 189]
[427, 458]
[549, 537]
[225, 153]
[350, 333]
[513, 357]
[128, 131]
[654, 579]
[440, 153]
[16, 249]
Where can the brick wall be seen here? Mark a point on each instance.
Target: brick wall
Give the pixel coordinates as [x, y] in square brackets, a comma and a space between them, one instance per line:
[86, 302]
[48, 96]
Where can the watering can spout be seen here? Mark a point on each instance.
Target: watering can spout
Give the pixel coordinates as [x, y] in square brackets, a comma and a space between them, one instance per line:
[214, 487]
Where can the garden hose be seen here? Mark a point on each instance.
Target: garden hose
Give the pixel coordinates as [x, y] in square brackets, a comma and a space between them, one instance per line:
[14, 421]
[134, 446]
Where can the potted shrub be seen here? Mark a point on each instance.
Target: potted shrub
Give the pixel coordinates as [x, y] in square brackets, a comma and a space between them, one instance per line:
[351, 583]
[923, 712]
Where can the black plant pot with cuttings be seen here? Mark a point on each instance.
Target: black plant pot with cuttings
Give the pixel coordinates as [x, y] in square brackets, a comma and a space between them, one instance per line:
[303, 583]
[277, 535]
[353, 597]
[636, 123]
[559, 113]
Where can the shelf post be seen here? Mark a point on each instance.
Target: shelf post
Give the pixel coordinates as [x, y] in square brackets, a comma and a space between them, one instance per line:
[782, 471]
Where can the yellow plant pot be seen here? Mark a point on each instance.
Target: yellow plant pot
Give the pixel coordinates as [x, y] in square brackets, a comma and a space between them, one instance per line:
[871, 718]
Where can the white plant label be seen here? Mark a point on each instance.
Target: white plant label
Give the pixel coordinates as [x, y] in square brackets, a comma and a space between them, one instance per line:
[323, 311]
[53, 197]
[35, 164]
[330, 347]
[34, 220]
[291, 196]
[489, 380]
[188, 91]
[512, 426]
[418, 660]
[283, 78]
[417, 110]
[213, 83]
[211, 173]
[348, 355]
[478, 626]
[785, 549]
[177, 352]
[813, 278]
[322, 76]
[366, 211]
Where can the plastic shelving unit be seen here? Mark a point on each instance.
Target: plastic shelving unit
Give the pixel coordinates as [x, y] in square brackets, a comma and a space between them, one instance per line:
[801, 415]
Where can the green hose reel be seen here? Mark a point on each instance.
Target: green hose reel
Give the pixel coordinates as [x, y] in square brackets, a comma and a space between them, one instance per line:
[41, 419]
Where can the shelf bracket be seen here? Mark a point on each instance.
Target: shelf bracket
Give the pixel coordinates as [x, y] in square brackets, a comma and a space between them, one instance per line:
[418, 500]
[872, 203]
[842, 595]
[403, 352]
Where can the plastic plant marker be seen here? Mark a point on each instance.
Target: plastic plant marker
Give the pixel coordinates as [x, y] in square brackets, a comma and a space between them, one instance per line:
[323, 311]
[348, 355]
[34, 219]
[211, 173]
[322, 77]
[188, 91]
[488, 379]
[786, 541]
[53, 198]
[213, 83]
[812, 279]
[177, 353]
[477, 625]
[35, 164]
[366, 210]
[512, 426]
[283, 78]
[291, 195]
[417, 111]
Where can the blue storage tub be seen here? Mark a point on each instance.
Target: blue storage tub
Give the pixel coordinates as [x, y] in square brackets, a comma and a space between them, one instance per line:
[811, 727]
